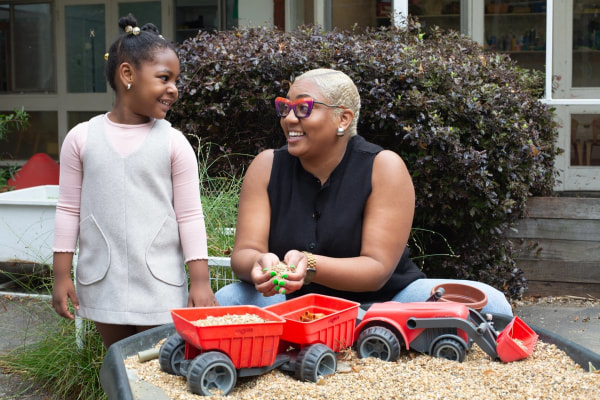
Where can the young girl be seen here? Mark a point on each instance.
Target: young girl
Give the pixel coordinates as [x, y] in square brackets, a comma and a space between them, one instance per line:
[129, 190]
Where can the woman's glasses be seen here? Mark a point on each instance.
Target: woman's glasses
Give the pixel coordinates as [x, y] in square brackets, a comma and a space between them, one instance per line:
[302, 107]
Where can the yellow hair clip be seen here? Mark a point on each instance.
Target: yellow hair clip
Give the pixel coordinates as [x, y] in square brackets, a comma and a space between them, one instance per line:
[105, 56]
[132, 30]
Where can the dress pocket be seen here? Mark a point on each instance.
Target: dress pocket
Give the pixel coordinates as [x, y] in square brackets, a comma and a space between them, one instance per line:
[164, 256]
[94, 252]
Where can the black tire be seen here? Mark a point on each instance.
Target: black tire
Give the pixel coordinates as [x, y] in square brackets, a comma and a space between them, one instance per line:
[378, 342]
[171, 354]
[211, 374]
[314, 361]
[449, 349]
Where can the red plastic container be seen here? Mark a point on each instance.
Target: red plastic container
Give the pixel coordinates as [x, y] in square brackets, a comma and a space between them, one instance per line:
[335, 329]
[247, 345]
[508, 349]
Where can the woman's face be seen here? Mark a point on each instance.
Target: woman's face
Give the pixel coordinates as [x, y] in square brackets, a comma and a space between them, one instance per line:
[317, 132]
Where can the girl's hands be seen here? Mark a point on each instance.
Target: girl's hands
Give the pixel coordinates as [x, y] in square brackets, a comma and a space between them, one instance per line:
[269, 282]
[201, 295]
[63, 290]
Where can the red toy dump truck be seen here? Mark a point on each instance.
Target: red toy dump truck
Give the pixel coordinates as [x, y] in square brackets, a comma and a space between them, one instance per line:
[444, 330]
[302, 336]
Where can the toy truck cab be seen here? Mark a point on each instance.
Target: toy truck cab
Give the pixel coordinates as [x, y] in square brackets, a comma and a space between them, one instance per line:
[445, 330]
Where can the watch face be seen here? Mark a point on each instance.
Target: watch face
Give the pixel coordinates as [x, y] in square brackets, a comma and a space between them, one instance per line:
[310, 274]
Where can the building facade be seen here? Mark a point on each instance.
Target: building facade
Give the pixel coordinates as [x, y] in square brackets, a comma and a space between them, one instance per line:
[51, 55]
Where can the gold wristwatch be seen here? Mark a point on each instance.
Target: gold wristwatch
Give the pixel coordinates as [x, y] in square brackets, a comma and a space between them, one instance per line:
[311, 268]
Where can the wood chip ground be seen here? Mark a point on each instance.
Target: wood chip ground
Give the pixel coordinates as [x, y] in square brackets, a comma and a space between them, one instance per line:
[548, 374]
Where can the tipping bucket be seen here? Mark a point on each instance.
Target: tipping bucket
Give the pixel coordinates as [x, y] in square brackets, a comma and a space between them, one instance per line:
[516, 341]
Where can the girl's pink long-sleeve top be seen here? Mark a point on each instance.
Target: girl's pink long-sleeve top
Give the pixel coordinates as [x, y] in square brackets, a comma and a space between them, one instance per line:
[125, 139]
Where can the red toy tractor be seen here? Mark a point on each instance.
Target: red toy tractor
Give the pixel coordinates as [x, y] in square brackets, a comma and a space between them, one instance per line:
[444, 330]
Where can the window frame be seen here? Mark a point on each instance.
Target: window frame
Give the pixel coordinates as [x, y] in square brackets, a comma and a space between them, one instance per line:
[11, 67]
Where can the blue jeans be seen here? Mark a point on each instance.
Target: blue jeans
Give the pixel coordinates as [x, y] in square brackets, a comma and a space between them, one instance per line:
[242, 293]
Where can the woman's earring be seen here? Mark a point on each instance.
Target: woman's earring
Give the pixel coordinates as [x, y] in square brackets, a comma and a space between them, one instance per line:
[340, 131]
[128, 86]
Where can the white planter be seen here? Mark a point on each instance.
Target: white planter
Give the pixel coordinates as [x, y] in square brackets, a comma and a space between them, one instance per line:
[27, 224]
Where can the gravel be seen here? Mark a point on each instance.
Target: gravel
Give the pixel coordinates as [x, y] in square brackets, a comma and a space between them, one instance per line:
[547, 374]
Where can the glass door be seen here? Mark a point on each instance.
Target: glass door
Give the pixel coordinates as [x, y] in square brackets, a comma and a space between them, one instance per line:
[576, 93]
[517, 28]
[585, 76]
[144, 12]
[86, 43]
[444, 14]
[192, 16]
[586, 43]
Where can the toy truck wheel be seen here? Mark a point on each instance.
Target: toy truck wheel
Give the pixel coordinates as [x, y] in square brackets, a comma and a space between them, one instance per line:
[171, 354]
[211, 374]
[314, 361]
[378, 342]
[449, 349]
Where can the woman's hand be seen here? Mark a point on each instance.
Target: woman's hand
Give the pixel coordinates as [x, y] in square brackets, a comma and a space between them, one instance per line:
[268, 282]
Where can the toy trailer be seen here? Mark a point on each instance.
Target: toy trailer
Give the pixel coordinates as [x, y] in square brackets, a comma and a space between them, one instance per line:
[445, 330]
[318, 326]
[212, 357]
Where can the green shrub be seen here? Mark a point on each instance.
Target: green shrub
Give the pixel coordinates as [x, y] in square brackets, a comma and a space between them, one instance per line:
[468, 124]
[16, 121]
[50, 358]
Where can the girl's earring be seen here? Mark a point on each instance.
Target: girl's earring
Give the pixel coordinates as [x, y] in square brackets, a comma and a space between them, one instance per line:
[340, 131]
[128, 86]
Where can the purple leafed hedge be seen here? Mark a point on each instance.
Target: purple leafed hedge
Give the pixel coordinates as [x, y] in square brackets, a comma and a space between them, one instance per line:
[468, 123]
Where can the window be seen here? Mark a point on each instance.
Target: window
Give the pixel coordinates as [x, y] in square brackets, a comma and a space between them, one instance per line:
[86, 45]
[39, 137]
[444, 14]
[77, 117]
[517, 28]
[192, 16]
[585, 139]
[26, 53]
[357, 13]
[586, 44]
[144, 12]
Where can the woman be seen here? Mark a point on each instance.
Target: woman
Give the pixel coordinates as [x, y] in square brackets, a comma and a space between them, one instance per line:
[335, 208]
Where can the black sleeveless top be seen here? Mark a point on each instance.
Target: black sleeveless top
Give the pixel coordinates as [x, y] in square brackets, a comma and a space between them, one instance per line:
[327, 220]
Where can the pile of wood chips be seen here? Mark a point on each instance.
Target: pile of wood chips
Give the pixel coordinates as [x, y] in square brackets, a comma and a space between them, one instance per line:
[229, 319]
[547, 374]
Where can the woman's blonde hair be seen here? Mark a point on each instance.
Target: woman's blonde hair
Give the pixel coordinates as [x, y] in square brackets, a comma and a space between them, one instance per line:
[339, 89]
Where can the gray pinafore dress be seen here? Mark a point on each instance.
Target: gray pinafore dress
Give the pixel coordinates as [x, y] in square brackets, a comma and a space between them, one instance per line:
[130, 266]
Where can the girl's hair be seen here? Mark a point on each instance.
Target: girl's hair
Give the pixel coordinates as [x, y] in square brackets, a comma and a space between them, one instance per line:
[339, 89]
[134, 47]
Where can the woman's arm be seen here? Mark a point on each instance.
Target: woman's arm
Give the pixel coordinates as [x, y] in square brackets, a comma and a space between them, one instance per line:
[251, 260]
[254, 217]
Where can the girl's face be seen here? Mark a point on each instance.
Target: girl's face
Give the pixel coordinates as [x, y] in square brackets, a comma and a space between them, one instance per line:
[315, 133]
[154, 88]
